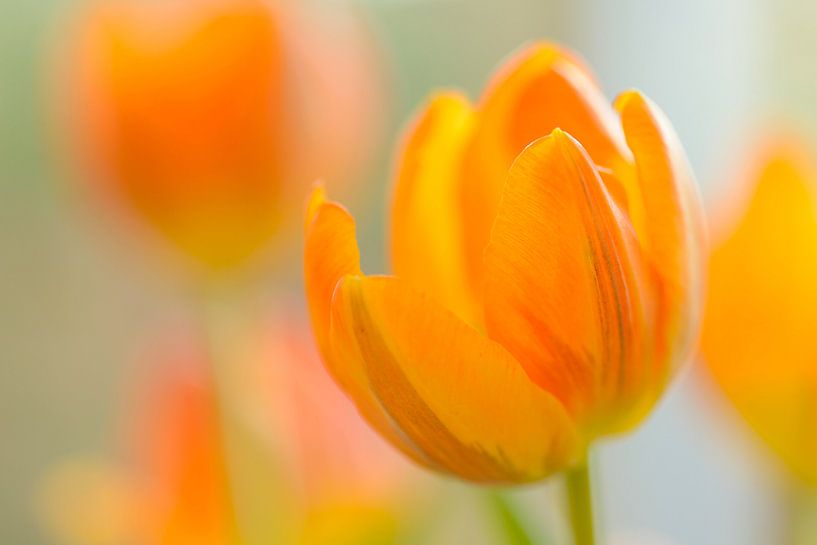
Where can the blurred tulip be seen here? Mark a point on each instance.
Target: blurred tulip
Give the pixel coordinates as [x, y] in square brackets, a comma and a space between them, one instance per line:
[334, 477]
[545, 288]
[758, 337]
[208, 118]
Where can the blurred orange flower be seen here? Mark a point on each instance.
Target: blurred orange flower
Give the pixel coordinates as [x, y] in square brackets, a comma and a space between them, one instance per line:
[758, 336]
[208, 117]
[542, 296]
[324, 473]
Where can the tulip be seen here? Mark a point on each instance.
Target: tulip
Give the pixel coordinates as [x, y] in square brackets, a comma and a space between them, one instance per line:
[175, 487]
[546, 257]
[324, 473]
[758, 335]
[206, 118]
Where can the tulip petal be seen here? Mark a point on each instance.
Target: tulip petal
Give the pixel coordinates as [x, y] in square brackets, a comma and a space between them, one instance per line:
[758, 336]
[671, 228]
[456, 394]
[331, 252]
[427, 236]
[543, 89]
[561, 288]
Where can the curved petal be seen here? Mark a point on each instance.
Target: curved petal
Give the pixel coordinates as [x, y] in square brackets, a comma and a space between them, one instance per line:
[671, 231]
[562, 290]
[758, 337]
[331, 252]
[543, 88]
[456, 394]
[427, 236]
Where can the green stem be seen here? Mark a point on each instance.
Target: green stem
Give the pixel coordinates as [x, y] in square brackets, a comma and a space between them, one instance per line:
[580, 504]
[216, 325]
[511, 524]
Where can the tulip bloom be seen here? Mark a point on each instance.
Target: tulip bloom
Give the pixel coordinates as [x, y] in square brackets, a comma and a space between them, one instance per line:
[758, 335]
[207, 117]
[546, 276]
[324, 473]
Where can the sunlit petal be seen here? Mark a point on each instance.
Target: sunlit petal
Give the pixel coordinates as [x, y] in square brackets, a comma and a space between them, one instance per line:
[427, 239]
[561, 290]
[458, 396]
[541, 89]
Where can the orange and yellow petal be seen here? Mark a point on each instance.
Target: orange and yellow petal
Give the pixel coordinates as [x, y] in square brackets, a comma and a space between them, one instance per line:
[758, 336]
[543, 88]
[562, 290]
[461, 398]
[427, 235]
[331, 253]
[666, 212]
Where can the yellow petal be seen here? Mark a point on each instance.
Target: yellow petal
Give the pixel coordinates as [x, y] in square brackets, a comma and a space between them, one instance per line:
[454, 393]
[562, 292]
[670, 229]
[427, 236]
[331, 252]
[759, 326]
[541, 89]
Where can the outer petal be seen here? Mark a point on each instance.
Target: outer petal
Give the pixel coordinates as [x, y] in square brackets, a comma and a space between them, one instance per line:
[759, 326]
[542, 89]
[456, 394]
[427, 236]
[670, 228]
[561, 287]
[331, 252]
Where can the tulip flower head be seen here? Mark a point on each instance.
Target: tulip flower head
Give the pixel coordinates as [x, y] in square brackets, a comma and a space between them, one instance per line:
[206, 117]
[758, 335]
[546, 280]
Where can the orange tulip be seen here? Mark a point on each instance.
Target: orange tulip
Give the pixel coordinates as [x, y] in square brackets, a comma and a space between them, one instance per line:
[331, 476]
[174, 491]
[545, 287]
[758, 335]
[206, 117]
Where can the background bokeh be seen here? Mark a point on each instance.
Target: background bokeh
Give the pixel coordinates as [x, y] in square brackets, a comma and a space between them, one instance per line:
[75, 305]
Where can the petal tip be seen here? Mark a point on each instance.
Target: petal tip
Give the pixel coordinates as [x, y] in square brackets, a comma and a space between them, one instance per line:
[545, 52]
[316, 199]
[629, 97]
[446, 98]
